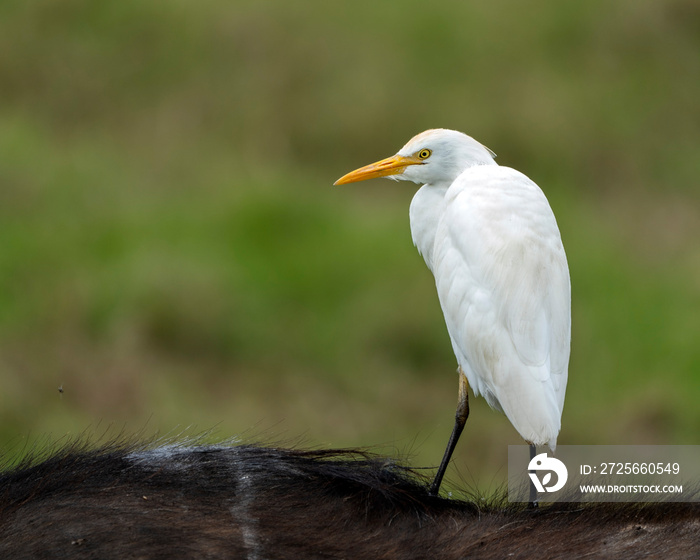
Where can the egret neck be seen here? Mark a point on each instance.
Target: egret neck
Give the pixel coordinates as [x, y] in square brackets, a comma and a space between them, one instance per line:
[427, 207]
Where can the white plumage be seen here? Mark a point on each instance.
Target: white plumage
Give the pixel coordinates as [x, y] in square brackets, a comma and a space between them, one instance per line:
[490, 238]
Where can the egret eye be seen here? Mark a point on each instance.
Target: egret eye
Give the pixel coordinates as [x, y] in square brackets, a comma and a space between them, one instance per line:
[424, 153]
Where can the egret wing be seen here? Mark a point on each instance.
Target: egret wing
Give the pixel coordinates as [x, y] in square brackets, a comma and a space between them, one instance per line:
[503, 284]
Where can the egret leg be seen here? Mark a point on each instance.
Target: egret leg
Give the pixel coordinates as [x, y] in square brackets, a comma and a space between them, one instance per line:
[533, 491]
[460, 419]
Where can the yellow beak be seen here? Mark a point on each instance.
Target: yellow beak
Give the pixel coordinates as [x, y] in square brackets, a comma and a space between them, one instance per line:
[393, 165]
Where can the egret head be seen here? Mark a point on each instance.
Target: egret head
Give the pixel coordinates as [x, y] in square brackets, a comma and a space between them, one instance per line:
[431, 157]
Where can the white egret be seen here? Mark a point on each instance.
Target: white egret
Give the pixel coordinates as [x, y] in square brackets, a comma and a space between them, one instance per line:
[490, 238]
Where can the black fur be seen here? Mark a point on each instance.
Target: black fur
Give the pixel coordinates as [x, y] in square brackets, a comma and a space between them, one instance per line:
[244, 501]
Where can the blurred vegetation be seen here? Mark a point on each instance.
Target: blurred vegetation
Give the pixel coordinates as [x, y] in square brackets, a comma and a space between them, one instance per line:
[172, 253]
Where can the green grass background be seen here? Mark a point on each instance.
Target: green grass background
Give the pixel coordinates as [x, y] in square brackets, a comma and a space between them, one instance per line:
[173, 255]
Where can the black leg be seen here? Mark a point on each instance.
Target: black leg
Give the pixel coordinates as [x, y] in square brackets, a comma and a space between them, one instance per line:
[460, 419]
[533, 491]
